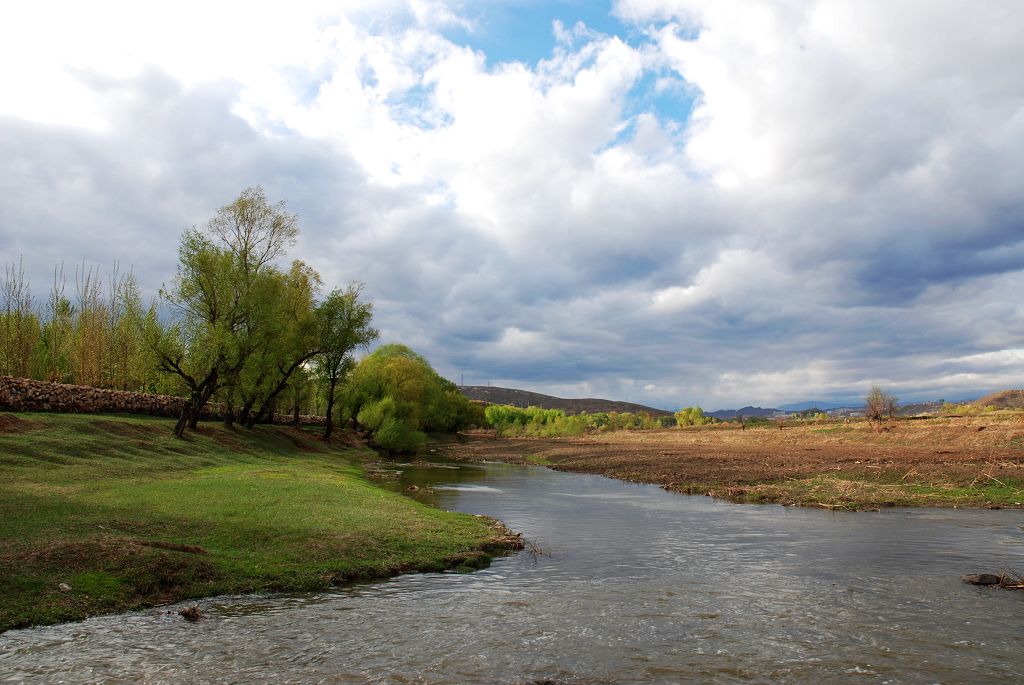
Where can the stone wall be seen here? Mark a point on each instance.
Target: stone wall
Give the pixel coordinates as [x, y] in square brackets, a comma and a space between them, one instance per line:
[23, 394]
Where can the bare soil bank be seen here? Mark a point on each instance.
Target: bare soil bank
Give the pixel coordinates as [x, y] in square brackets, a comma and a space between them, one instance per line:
[972, 461]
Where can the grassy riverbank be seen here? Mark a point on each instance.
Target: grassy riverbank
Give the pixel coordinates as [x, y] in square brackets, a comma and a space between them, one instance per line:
[128, 517]
[947, 462]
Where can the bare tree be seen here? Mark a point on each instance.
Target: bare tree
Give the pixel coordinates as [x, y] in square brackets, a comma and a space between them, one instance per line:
[879, 405]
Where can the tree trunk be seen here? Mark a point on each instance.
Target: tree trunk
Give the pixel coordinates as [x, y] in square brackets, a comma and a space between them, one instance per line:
[229, 414]
[199, 400]
[251, 419]
[267, 407]
[295, 416]
[179, 427]
[245, 414]
[329, 418]
[193, 419]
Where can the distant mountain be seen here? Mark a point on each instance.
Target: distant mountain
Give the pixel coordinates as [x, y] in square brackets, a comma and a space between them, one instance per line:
[815, 404]
[524, 398]
[726, 414]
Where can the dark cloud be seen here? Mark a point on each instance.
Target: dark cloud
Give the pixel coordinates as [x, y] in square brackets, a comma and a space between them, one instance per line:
[540, 248]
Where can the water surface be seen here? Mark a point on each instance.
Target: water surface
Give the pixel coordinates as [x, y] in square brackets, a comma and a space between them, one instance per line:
[635, 584]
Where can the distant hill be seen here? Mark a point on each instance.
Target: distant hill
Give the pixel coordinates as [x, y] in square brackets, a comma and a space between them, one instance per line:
[524, 398]
[919, 408]
[1004, 399]
[831, 408]
[814, 404]
[726, 414]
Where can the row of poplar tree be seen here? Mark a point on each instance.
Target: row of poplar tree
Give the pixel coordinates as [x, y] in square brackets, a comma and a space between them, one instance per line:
[232, 324]
[94, 337]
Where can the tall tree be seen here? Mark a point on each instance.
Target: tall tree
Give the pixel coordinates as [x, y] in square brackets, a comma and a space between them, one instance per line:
[343, 326]
[19, 324]
[58, 330]
[126, 354]
[290, 339]
[223, 296]
[92, 320]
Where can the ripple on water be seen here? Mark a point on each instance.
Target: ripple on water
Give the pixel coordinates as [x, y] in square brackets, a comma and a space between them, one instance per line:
[636, 585]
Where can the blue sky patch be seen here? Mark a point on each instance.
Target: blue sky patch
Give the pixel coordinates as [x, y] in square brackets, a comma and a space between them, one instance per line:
[521, 30]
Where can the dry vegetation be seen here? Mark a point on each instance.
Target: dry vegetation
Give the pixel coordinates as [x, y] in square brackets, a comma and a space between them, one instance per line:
[975, 461]
[1004, 399]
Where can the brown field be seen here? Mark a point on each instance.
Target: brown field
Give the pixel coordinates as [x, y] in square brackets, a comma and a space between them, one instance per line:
[973, 461]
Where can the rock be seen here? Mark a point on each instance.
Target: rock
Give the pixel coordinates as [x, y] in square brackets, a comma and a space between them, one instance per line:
[64, 587]
[982, 579]
[191, 613]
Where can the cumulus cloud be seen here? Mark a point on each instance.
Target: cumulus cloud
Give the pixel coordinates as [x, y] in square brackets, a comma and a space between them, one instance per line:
[840, 207]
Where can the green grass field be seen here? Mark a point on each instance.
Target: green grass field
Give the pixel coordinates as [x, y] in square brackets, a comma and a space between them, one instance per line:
[129, 517]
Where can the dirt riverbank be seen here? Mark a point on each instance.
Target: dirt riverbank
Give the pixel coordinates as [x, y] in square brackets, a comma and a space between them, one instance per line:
[956, 461]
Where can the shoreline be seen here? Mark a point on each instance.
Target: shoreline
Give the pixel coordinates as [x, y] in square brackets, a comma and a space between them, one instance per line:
[975, 463]
[105, 514]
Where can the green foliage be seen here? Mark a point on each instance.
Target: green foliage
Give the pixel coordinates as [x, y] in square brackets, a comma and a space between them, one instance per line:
[95, 340]
[967, 409]
[508, 416]
[285, 337]
[343, 325]
[275, 508]
[225, 309]
[474, 415]
[534, 421]
[19, 324]
[239, 329]
[397, 397]
[391, 431]
[245, 329]
[813, 414]
[693, 416]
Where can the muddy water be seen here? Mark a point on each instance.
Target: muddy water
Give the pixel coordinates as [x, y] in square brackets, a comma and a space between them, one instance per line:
[634, 585]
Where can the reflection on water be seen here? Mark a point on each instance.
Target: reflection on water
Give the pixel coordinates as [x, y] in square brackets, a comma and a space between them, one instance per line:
[636, 585]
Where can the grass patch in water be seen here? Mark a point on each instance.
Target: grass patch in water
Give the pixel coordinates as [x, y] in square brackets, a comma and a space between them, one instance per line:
[855, 492]
[127, 516]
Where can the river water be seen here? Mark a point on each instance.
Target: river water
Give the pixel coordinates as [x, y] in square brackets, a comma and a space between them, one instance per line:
[633, 585]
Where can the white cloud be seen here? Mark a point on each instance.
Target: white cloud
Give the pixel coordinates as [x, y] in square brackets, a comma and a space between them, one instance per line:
[1000, 358]
[843, 206]
[733, 278]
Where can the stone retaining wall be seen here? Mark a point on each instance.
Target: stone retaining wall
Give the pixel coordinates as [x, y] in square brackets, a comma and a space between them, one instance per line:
[24, 394]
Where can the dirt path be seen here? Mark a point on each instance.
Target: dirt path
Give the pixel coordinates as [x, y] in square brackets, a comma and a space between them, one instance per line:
[976, 462]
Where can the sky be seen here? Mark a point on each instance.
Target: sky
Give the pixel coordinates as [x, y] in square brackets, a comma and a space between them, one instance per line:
[673, 202]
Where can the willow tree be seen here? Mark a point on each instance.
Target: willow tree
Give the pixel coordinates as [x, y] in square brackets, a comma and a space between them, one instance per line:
[343, 327]
[397, 397]
[289, 340]
[223, 297]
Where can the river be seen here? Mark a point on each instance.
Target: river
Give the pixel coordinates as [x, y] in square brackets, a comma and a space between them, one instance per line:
[631, 584]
